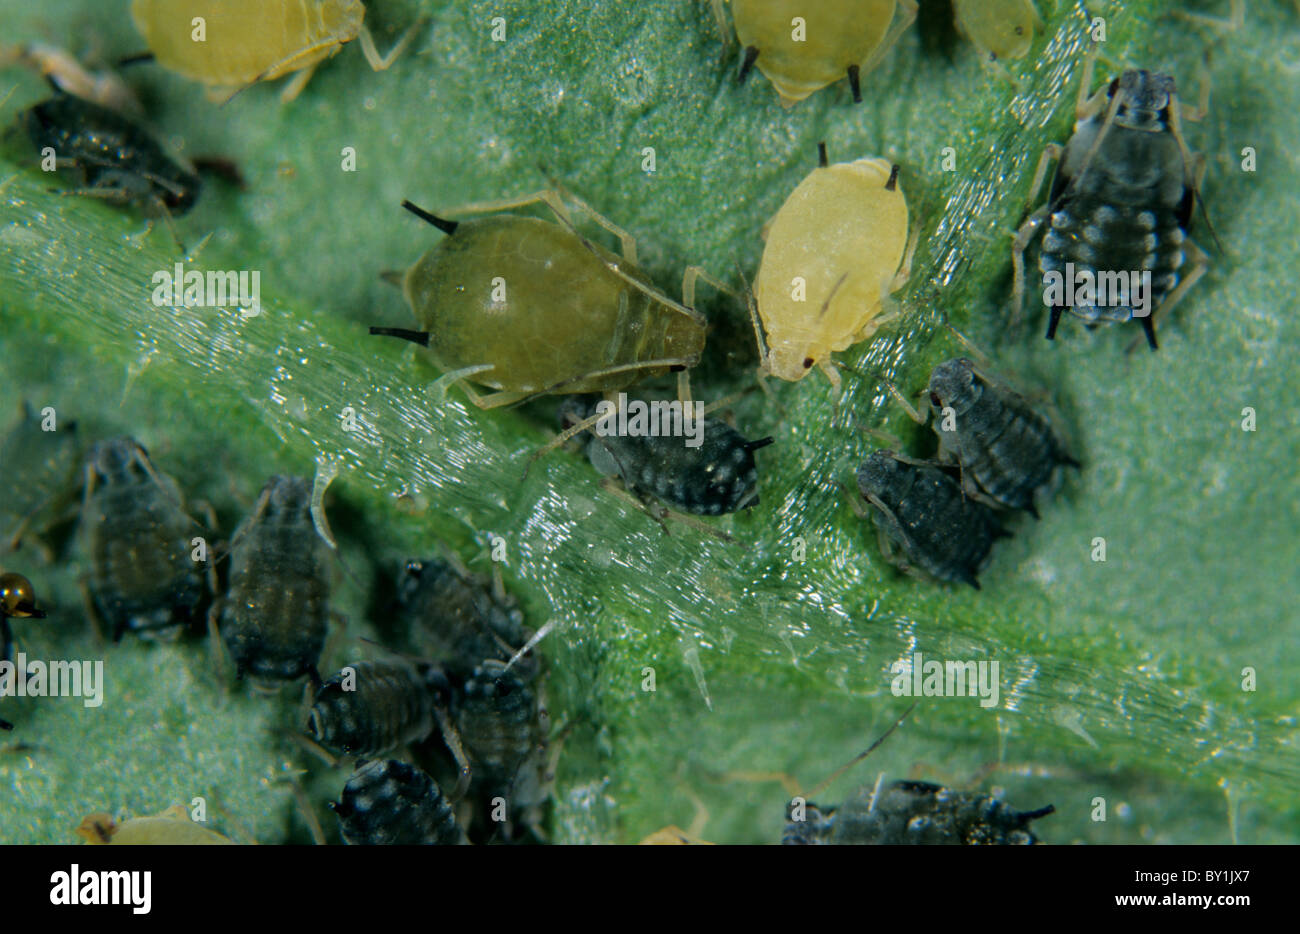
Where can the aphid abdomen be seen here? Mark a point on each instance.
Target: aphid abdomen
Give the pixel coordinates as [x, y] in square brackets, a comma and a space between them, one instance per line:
[921, 813]
[498, 723]
[387, 802]
[814, 830]
[530, 299]
[389, 705]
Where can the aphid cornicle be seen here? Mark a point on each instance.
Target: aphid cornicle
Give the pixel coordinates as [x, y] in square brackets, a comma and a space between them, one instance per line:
[803, 47]
[459, 620]
[923, 510]
[245, 41]
[1007, 449]
[371, 708]
[388, 802]
[172, 827]
[715, 477]
[138, 538]
[39, 469]
[528, 307]
[1120, 206]
[110, 156]
[915, 813]
[17, 600]
[835, 251]
[275, 614]
[998, 28]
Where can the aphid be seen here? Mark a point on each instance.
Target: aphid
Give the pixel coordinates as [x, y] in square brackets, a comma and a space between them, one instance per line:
[915, 813]
[275, 613]
[803, 47]
[998, 28]
[388, 802]
[715, 477]
[39, 469]
[1120, 206]
[460, 620]
[1007, 449]
[528, 307]
[372, 708]
[110, 156]
[833, 256]
[923, 510]
[503, 727]
[17, 600]
[172, 827]
[138, 538]
[230, 44]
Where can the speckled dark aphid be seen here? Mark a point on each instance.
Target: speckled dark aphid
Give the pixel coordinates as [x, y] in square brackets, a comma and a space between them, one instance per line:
[717, 477]
[377, 707]
[110, 156]
[17, 600]
[919, 814]
[1007, 449]
[1121, 200]
[814, 830]
[460, 620]
[275, 614]
[387, 802]
[39, 470]
[138, 539]
[921, 507]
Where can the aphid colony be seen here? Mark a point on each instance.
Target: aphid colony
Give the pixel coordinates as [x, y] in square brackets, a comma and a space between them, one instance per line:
[475, 684]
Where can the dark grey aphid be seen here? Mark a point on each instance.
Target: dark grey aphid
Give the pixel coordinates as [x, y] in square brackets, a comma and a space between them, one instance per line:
[387, 802]
[717, 477]
[922, 509]
[377, 706]
[1127, 207]
[17, 600]
[39, 470]
[460, 620]
[138, 539]
[110, 156]
[275, 615]
[813, 830]
[1007, 450]
[919, 814]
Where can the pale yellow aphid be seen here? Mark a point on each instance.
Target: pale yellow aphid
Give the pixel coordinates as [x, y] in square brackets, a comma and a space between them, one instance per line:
[802, 47]
[171, 827]
[998, 28]
[835, 251]
[230, 44]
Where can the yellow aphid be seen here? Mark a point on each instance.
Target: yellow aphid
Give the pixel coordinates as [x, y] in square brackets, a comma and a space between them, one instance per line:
[802, 47]
[672, 835]
[835, 251]
[998, 28]
[171, 827]
[230, 44]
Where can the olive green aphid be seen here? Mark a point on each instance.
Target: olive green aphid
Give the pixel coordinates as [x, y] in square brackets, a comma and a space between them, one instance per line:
[1007, 449]
[229, 44]
[139, 542]
[372, 708]
[998, 28]
[835, 251]
[912, 813]
[39, 470]
[460, 620]
[387, 802]
[526, 306]
[275, 614]
[17, 600]
[172, 827]
[923, 510]
[803, 47]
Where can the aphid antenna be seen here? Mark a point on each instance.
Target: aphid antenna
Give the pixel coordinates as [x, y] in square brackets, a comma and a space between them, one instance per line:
[563, 437]
[747, 63]
[764, 354]
[528, 646]
[135, 58]
[822, 160]
[446, 226]
[406, 334]
[862, 755]
[1036, 814]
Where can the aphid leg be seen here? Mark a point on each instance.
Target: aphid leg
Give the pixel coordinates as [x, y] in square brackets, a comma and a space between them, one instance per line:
[451, 739]
[1200, 263]
[724, 33]
[305, 810]
[379, 62]
[563, 437]
[96, 621]
[1024, 236]
[293, 87]
[906, 13]
[315, 748]
[912, 411]
[1235, 19]
[661, 513]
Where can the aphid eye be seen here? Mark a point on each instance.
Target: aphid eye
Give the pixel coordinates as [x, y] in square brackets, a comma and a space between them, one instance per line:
[935, 400]
[1114, 86]
[808, 362]
[1020, 30]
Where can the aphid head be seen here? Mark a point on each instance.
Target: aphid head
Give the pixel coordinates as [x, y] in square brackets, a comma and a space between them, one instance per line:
[953, 384]
[288, 499]
[880, 475]
[791, 360]
[119, 460]
[1145, 99]
[18, 597]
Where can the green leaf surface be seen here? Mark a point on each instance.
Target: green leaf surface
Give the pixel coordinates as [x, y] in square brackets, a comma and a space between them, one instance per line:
[1120, 679]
